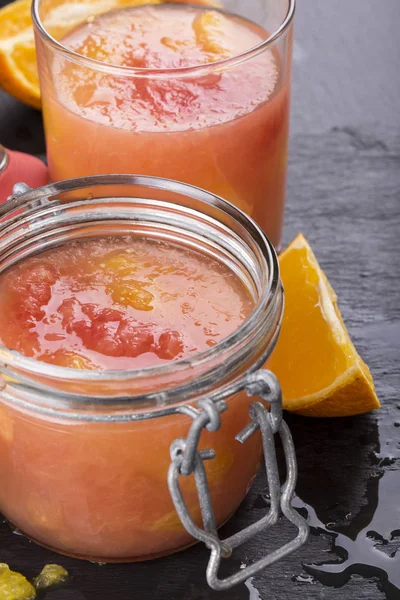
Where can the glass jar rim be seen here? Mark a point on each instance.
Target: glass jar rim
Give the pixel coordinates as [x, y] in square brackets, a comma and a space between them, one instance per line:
[268, 307]
[198, 70]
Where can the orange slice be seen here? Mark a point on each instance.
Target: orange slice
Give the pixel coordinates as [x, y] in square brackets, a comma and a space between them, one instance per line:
[18, 69]
[319, 369]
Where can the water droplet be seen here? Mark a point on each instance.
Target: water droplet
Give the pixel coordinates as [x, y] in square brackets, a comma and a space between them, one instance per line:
[368, 551]
[262, 501]
[254, 593]
[376, 537]
[304, 579]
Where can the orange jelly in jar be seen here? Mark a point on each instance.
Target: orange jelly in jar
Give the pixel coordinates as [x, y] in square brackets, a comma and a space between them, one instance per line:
[113, 314]
[172, 91]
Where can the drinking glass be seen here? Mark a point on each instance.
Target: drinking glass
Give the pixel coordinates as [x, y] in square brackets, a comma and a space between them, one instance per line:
[220, 125]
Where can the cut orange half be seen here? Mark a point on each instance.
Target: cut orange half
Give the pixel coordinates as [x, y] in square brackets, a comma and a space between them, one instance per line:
[319, 369]
[18, 69]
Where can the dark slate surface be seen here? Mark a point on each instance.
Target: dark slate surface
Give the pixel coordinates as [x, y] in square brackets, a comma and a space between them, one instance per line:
[344, 194]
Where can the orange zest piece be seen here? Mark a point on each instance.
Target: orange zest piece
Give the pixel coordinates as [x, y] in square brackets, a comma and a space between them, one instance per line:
[210, 35]
[319, 369]
[119, 264]
[131, 294]
[71, 360]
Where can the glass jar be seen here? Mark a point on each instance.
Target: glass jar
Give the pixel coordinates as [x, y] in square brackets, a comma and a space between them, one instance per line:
[222, 125]
[125, 465]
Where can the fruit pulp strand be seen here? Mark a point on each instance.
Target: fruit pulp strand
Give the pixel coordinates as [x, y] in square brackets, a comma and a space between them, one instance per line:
[99, 490]
[224, 129]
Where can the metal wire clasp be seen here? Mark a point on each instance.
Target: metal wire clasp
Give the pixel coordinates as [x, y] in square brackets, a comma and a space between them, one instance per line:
[187, 459]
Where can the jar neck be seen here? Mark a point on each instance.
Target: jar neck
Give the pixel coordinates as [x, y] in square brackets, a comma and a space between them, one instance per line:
[164, 210]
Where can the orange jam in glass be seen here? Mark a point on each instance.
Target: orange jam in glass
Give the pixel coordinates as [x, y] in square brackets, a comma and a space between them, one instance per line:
[119, 303]
[99, 489]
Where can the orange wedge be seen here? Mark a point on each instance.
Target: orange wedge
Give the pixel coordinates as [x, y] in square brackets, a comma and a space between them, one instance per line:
[319, 369]
[18, 69]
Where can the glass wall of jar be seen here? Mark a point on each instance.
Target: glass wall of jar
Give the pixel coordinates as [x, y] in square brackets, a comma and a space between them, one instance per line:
[84, 455]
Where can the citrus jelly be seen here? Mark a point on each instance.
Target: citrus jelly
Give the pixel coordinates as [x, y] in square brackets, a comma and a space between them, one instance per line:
[119, 303]
[160, 90]
[99, 490]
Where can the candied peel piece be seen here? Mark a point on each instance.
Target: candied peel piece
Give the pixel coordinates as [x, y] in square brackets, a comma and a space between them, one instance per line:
[14, 586]
[132, 294]
[120, 262]
[173, 44]
[210, 30]
[50, 575]
[72, 360]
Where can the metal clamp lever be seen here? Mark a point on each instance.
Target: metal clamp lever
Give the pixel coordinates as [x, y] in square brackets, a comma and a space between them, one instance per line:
[187, 459]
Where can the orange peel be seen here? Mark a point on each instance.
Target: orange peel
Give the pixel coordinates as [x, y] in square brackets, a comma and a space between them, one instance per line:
[319, 369]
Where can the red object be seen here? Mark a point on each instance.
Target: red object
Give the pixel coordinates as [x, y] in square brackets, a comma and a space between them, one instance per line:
[17, 166]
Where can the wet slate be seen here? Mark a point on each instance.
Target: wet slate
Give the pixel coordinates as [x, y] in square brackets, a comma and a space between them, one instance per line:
[344, 195]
